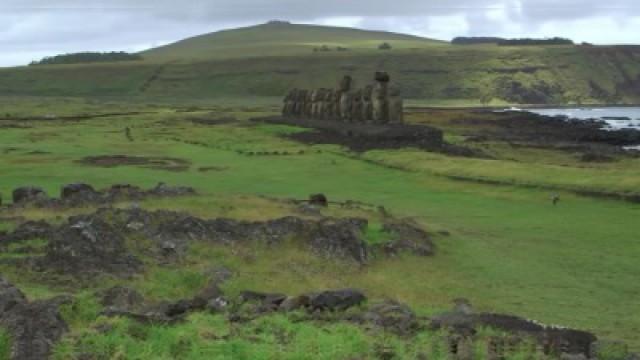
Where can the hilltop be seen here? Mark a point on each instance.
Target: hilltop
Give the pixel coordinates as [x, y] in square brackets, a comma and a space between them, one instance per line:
[279, 38]
[269, 59]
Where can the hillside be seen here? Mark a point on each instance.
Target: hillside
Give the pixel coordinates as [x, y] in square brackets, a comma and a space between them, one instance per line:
[278, 39]
[268, 60]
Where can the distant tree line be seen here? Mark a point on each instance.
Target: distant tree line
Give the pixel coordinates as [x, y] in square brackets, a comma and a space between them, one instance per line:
[511, 42]
[87, 57]
[476, 40]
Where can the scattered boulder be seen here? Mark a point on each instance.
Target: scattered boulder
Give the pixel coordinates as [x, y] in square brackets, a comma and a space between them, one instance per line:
[78, 194]
[28, 194]
[34, 326]
[554, 340]
[266, 302]
[86, 245]
[121, 297]
[407, 237]
[72, 191]
[392, 316]
[10, 296]
[126, 302]
[294, 303]
[318, 200]
[211, 292]
[28, 231]
[336, 300]
[165, 190]
[340, 237]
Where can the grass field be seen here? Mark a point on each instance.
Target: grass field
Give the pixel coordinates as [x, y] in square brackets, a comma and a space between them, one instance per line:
[269, 60]
[509, 249]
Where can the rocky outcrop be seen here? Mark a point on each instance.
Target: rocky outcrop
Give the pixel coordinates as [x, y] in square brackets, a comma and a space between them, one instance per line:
[27, 231]
[79, 194]
[34, 326]
[29, 194]
[553, 340]
[407, 237]
[87, 245]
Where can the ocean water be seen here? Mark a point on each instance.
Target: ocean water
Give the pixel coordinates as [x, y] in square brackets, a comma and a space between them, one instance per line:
[604, 114]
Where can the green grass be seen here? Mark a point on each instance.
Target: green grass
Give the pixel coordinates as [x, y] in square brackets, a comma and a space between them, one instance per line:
[509, 250]
[5, 345]
[267, 61]
[281, 39]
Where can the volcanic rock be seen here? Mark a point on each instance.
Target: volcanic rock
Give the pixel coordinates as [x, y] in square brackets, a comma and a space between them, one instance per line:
[34, 326]
[333, 300]
[86, 245]
[28, 194]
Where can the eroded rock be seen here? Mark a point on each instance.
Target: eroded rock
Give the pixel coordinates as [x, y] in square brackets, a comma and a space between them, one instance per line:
[28, 194]
[87, 245]
[34, 326]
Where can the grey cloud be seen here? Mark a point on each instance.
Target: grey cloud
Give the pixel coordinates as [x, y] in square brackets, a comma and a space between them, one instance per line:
[36, 26]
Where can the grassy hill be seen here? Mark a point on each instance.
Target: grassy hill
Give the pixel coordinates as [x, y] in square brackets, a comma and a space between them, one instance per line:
[268, 60]
[280, 39]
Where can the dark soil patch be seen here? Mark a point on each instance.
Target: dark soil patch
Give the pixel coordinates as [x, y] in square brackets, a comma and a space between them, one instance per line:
[38, 152]
[212, 168]
[158, 163]
[214, 121]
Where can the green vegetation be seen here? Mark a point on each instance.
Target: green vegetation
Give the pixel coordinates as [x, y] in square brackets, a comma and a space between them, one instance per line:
[87, 57]
[268, 60]
[5, 344]
[508, 250]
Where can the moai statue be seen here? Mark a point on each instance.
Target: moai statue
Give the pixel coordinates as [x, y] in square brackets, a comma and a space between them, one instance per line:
[396, 106]
[346, 98]
[380, 98]
[302, 103]
[286, 107]
[367, 104]
[356, 106]
[320, 106]
[324, 107]
[313, 107]
[308, 106]
[297, 102]
[328, 104]
[336, 105]
[293, 101]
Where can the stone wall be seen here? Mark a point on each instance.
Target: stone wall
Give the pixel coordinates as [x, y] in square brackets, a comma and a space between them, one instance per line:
[377, 103]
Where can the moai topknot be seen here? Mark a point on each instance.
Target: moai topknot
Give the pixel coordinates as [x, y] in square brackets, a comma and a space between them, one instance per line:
[380, 98]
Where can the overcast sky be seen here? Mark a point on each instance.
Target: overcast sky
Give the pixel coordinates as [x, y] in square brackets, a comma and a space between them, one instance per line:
[32, 29]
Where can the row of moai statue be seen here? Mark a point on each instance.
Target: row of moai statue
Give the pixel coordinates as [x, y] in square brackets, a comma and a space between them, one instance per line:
[374, 103]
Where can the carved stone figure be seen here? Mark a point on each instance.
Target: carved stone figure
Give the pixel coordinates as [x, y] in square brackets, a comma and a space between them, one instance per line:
[308, 106]
[396, 106]
[380, 103]
[329, 105]
[374, 103]
[367, 105]
[356, 106]
[346, 100]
